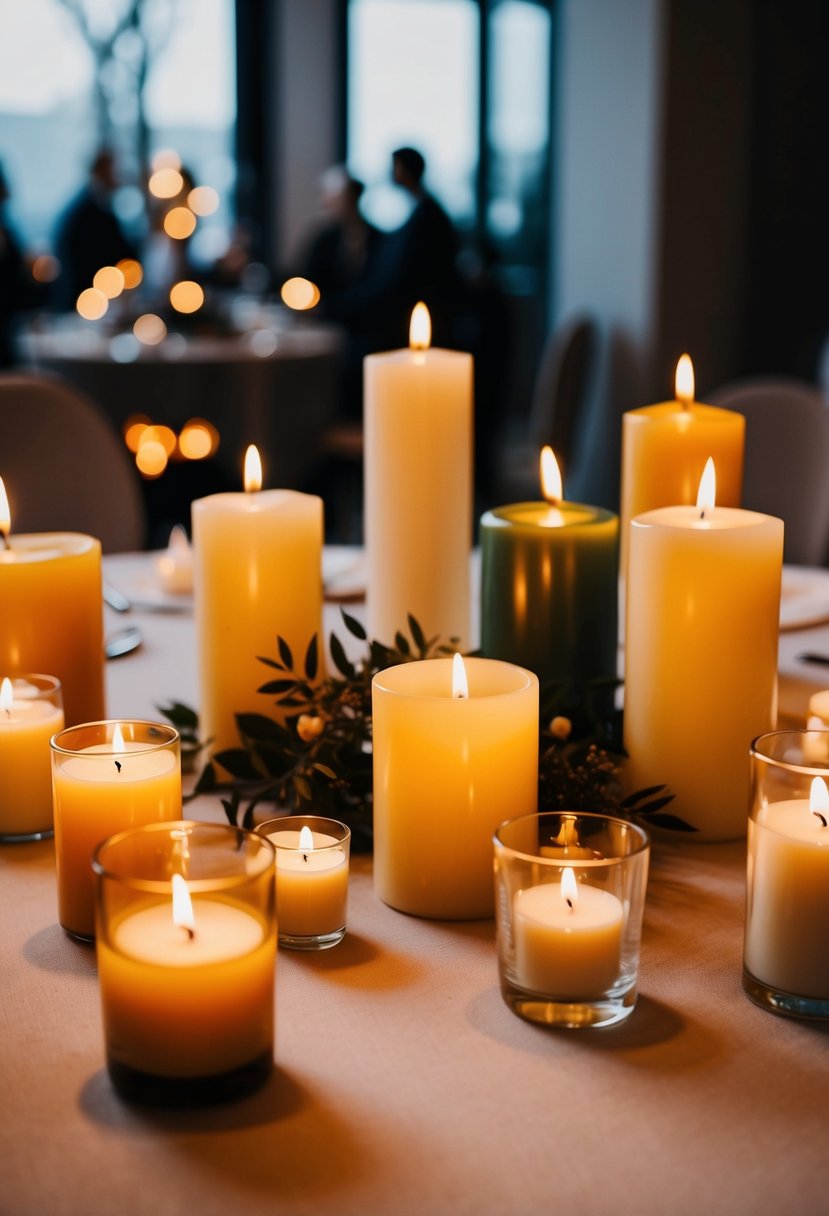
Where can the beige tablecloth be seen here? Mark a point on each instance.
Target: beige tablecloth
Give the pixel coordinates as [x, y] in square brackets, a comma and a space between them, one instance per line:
[404, 1084]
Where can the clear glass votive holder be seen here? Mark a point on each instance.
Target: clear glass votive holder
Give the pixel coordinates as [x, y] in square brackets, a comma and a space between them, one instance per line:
[570, 895]
[785, 958]
[106, 777]
[31, 711]
[312, 857]
[186, 946]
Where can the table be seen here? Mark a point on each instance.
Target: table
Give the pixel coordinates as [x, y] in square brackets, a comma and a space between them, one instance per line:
[404, 1084]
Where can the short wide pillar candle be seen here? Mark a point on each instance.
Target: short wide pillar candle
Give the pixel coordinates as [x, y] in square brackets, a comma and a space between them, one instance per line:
[447, 770]
[418, 489]
[703, 605]
[106, 777]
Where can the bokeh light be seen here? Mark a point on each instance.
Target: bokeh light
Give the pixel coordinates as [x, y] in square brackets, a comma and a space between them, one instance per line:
[151, 459]
[300, 294]
[45, 268]
[91, 304]
[134, 428]
[165, 158]
[132, 271]
[179, 223]
[203, 200]
[160, 434]
[198, 439]
[109, 280]
[186, 296]
[150, 329]
[166, 183]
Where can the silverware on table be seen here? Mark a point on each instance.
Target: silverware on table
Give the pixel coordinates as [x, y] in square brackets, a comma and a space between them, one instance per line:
[123, 642]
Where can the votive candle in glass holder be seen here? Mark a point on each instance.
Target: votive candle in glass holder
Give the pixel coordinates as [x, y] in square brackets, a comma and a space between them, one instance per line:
[570, 895]
[106, 777]
[312, 855]
[186, 946]
[31, 711]
[785, 960]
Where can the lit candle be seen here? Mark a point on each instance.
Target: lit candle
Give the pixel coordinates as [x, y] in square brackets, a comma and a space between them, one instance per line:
[51, 612]
[30, 713]
[418, 486]
[107, 776]
[447, 769]
[665, 447]
[174, 567]
[703, 605]
[549, 592]
[788, 894]
[257, 574]
[568, 938]
[311, 881]
[186, 970]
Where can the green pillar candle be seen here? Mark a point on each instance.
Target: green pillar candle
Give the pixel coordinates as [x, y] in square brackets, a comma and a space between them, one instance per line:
[549, 597]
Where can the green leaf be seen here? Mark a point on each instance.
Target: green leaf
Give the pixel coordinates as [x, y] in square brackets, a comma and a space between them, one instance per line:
[325, 770]
[231, 807]
[181, 716]
[207, 780]
[402, 643]
[247, 819]
[341, 660]
[270, 662]
[635, 798]
[285, 653]
[259, 727]
[312, 659]
[353, 625]
[670, 821]
[277, 686]
[303, 788]
[417, 634]
[238, 763]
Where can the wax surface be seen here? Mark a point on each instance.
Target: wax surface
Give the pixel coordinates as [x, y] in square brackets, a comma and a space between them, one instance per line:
[703, 603]
[567, 952]
[25, 766]
[257, 573]
[179, 1008]
[788, 899]
[311, 885]
[51, 616]
[418, 491]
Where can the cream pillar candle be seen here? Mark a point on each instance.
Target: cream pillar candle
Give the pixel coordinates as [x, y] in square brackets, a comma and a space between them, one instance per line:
[51, 612]
[311, 883]
[788, 894]
[418, 487]
[664, 450]
[30, 713]
[568, 939]
[107, 776]
[257, 574]
[703, 603]
[447, 770]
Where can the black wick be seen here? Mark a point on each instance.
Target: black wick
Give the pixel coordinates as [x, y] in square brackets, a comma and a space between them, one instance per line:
[191, 933]
[118, 765]
[305, 855]
[569, 903]
[822, 818]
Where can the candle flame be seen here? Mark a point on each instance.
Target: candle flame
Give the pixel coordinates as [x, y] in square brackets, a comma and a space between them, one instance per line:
[569, 887]
[253, 469]
[684, 380]
[5, 512]
[6, 695]
[118, 739]
[460, 684]
[707, 494]
[306, 839]
[819, 800]
[420, 328]
[551, 486]
[178, 544]
[183, 906]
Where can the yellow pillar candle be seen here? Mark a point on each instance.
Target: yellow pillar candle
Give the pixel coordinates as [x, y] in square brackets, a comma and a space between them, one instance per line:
[107, 776]
[311, 881]
[418, 487]
[787, 907]
[257, 574]
[448, 769]
[30, 713]
[664, 450]
[703, 604]
[51, 612]
[568, 939]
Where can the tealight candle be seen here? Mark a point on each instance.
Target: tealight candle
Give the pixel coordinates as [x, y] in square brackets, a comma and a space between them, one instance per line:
[665, 447]
[449, 755]
[174, 567]
[418, 491]
[311, 879]
[51, 612]
[549, 588]
[30, 713]
[186, 951]
[107, 776]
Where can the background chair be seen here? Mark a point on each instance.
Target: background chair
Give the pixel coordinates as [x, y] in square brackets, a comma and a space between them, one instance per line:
[64, 467]
[786, 459]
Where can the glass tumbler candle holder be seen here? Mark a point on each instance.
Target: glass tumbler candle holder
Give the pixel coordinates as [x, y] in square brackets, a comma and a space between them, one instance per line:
[31, 711]
[312, 856]
[186, 945]
[570, 895]
[785, 960]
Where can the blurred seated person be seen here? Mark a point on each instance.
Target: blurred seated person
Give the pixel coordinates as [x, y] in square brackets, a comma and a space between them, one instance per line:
[341, 254]
[89, 234]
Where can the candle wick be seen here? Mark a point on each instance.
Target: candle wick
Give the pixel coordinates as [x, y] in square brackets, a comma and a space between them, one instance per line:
[191, 933]
[304, 856]
[118, 765]
[570, 904]
[702, 513]
[822, 818]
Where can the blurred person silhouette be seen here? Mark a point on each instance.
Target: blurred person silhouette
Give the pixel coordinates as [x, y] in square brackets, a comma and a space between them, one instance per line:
[343, 251]
[167, 259]
[14, 280]
[88, 233]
